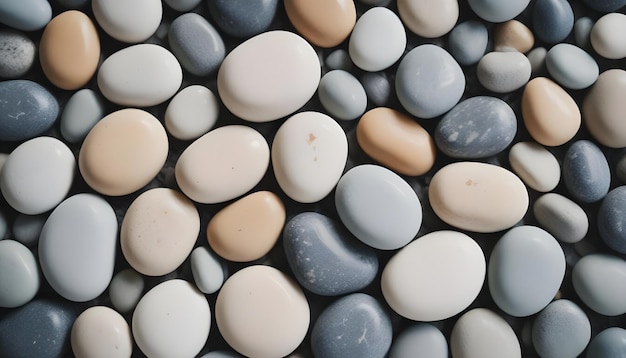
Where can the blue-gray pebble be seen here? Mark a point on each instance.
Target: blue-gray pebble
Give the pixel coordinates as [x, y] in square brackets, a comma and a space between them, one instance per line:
[354, 326]
[25, 15]
[81, 113]
[26, 110]
[561, 329]
[599, 281]
[325, 258]
[477, 127]
[421, 340]
[605, 5]
[610, 343]
[339, 59]
[552, 20]
[571, 66]
[17, 54]
[377, 87]
[582, 32]
[586, 172]
[40, 328]
[467, 42]
[4, 226]
[197, 45]
[612, 219]
[243, 18]
[429, 82]
[342, 95]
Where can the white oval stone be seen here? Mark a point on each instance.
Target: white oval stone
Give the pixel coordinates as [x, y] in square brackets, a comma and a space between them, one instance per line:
[191, 113]
[378, 40]
[207, 270]
[140, 75]
[37, 175]
[607, 36]
[269, 76]
[434, 277]
[77, 247]
[482, 333]
[535, 165]
[173, 319]
[428, 18]
[130, 22]
[101, 332]
[223, 164]
[309, 153]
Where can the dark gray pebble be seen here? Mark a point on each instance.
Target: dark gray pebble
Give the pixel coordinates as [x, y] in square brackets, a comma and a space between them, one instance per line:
[612, 219]
[17, 54]
[610, 343]
[377, 87]
[561, 329]
[26, 110]
[605, 5]
[552, 20]
[586, 172]
[243, 18]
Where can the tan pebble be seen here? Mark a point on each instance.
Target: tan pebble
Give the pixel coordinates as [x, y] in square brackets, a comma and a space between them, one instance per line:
[550, 114]
[69, 50]
[396, 141]
[604, 108]
[325, 23]
[429, 18]
[513, 36]
[247, 229]
[101, 332]
[123, 152]
[478, 197]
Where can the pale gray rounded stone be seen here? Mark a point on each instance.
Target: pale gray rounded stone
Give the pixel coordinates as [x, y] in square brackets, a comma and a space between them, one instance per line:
[561, 217]
[498, 10]
[342, 95]
[19, 274]
[125, 290]
[582, 32]
[182, 5]
[571, 66]
[339, 59]
[609, 343]
[420, 340]
[503, 72]
[27, 228]
[537, 59]
[81, 113]
[600, 282]
[468, 41]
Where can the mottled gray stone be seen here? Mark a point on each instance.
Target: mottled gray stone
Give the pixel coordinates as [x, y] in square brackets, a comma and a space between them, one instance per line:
[325, 258]
[81, 113]
[27, 228]
[342, 95]
[561, 329]
[552, 20]
[467, 42]
[609, 343]
[354, 326]
[612, 219]
[421, 340]
[26, 110]
[571, 66]
[17, 54]
[243, 18]
[377, 87]
[586, 172]
[503, 72]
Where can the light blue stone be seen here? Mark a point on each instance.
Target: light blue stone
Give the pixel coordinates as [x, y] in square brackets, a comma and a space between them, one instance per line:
[17, 54]
[610, 343]
[571, 66]
[339, 60]
[243, 18]
[612, 219]
[586, 172]
[325, 258]
[26, 110]
[467, 42]
[19, 274]
[477, 127]
[342, 95]
[81, 113]
[208, 271]
[600, 282]
[552, 20]
[561, 329]
[429, 82]
[25, 15]
[354, 326]
[582, 32]
[525, 271]
[421, 340]
[498, 10]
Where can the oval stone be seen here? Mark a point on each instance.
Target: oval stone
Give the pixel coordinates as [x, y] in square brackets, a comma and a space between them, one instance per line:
[535, 165]
[600, 282]
[261, 311]
[605, 38]
[582, 32]
[69, 50]
[248, 228]
[172, 319]
[481, 332]
[78, 260]
[612, 218]
[378, 207]
[25, 15]
[571, 66]
[291, 73]
[324, 23]
[420, 340]
[192, 112]
[342, 95]
[494, 199]
[503, 72]
[80, 114]
[354, 325]
[526, 269]
[602, 108]
[39, 159]
[513, 35]
[434, 277]
[182, 5]
[477, 127]
[208, 271]
[27, 228]
[498, 10]
[537, 58]
[125, 290]
[550, 114]
[128, 22]
[429, 19]
[127, 79]
[429, 82]
[234, 16]
[552, 20]
[377, 87]
[561, 329]
[467, 42]
[561, 217]
[325, 258]
[123, 152]
[101, 331]
[159, 231]
[609, 343]
[223, 164]
[586, 172]
[309, 153]
[26, 111]
[378, 40]
[17, 54]
[197, 45]
[19, 274]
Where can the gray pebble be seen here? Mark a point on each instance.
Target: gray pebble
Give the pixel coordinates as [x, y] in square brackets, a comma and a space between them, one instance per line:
[561, 329]
[421, 340]
[620, 168]
[354, 326]
[467, 42]
[339, 60]
[586, 172]
[571, 66]
[325, 258]
[552, 20]
[612, 219]
[582, 31]
[610, 343]
[4, 226]
[477, 127]
[125, 290]
[25, 15]
[243, 18]
[498, 10]
[17, 54]
[197, 45]
[377, 87]
[503, 72]
[27, 228]
[537, 59]
[81, 112]
[598, 280]
[221, 354]
[183, 5]
[342, 95]
[561, 217]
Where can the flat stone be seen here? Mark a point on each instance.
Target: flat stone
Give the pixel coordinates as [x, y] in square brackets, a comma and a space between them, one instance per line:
[243, 18]
[561, 329]
[586, 172]
[600, 282]
[562, 217]
[612, 218]
[552, 20]
[467, 42]
[17, 54]
[27, 110]
[571, 66]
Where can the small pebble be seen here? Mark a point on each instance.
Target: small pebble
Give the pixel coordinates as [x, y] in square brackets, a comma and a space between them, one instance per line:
[503, 72]
[605, 38]
[19, 274]
[339, 59]
[243, 18]
[552, 20]
[131, 23]
[582, 32]
[561, 217]
[561, 329]
[620, 168]
[208, 271]
[513, 35]
[537, 58]
[125, 290]
[80, 114]
[17, 54]
[467, 42]
[324, 23]
[535, 165]
[586, 172]
[498, 10]
[101, 332]
[600, 282]
[191, 113]
[25, 15]
[609, 343]
[4, 226]
[420, 340]
[342, 95]
[352, 326]
[483, 333]
[602, 107]
[571, 66]
[377, 87]
[427, 19]
[612, 218]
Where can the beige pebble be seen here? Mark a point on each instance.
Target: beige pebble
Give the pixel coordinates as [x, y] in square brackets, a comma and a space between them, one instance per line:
[550, 114]
[396, 141]
[123, 152]
[101, 332]
[429, 18]
[478, 197]
[513, 35]
[325, 23]
[604, 108]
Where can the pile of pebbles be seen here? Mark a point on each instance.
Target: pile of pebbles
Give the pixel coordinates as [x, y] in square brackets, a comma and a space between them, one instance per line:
[323, 178]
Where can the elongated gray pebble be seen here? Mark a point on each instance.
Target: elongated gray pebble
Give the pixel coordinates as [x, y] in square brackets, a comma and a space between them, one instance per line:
[19, 274]
[561, 329]
[342, 95]
[420, 340]
[537, 59]
[498, 10]
[25, 15]
[571, 66]
[552, 20]
[468, 41]
[582, 32]
[600, 282]
[125, 290]
[377, 87]
[612, 218]
[561, 217]
[81, 112]
[208, 271]
[609, 343]
[586, 172]
[27, 228]
[17, 54]
[243, 18]
[503, 72]
[325, 258]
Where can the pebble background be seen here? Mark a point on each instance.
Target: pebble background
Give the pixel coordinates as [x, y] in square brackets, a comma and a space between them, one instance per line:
[554, 286]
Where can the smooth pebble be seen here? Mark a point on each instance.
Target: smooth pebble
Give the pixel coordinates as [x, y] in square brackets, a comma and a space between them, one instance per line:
[17, 54]
[25, 15]
[561, 329]
[571, 66]
[552, 20]
[535, 165]
[243, 18]
[429, 19]
[4, 225]
[605, 5]
[467, 42]
[582, 32]
[339, 59]
[377, 87]
[192, 112]
[27, 228]
[419, 340]
[609, 343]
[100, 331]
[498, 10]
[434, 277]
[221, 354]
[324, 23]
[503, 72]
[612, 218]
[600, 282]
[481, 332]
[182, 5]
[513, 35]
[605, 38]
[602, 107]
[19, 274]
[125, 290]
[537, 58]
[80, 114]
[342, 95]
[131, 23]
[586, 172]
[561, 217]
[208, 271]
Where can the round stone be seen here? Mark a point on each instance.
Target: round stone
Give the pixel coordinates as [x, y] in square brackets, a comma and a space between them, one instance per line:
[243, 18]
[131, 23]
[562, 217]
[503, 72]
[513, 35]
[611, 219]
[483, 333]
[420, 340]
[561, 329]
[571, 66]
[26, 15]
[325, 23]
[600, 282]
[125, 290]
[535, 165]
[19, 274]
[80, 114]
[207, 269]
[342, 95]
[609, 343]
[429, 19]
[602, 107]
[498, 10]
[101, 332]
[192, 112]
[467, 42]
[604, 36]
[552, 20]
[17, 54]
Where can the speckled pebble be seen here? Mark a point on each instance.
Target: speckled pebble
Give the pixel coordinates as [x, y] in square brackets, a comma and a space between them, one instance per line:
[498, 10]
[561, 329]
[356, 325]
[586, 172]
[377, 87]
[125, 290]
[571, 66]
[600, 282]
[562, 217]
[81, 113]
[420, 340]
[342, 95]
[552, 20]
[468, 41]
[609, 343]
[325, 258]
[503, 72]
[243, 18]
[19, 274]
[612, 218]
[27, 228]
[17, 53]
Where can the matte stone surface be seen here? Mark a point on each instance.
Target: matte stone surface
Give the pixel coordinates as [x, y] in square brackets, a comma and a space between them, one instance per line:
[600, 282]
[571, 66]
[498, 10]
[586, 172]
[562, 217]
[325, 258]
[17, 53]
[182, 5]
[196, 44]
[582, 32]
[467, 42]
[27, 110]
[19, 274]
[612, 219]
[503, 72]
[243, 18]
[339, 59]
[27, 228]
[561, 329]
[377, 87]
[342, 95]
[81, 113]
[25, 15]
[354, 326]
[420, 340]
[609, 343]
[552, 20]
